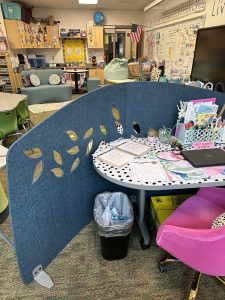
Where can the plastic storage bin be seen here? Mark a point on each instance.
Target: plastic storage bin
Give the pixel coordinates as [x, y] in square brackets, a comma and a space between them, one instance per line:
[114, 216]
[12, 11]
[163, 206]
[187, 137]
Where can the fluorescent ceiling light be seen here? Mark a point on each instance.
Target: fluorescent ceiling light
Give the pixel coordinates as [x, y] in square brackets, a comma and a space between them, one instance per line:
[154, 3]
[88, 1]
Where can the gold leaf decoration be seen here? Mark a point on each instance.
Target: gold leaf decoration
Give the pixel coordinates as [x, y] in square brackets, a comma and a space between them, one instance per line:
[37, 171]
[103, 129]
[88, 133]
[33, 153]
[72, 134]
[73, 150]
[57, 157]
[75, 164]
[89, 146]
[57, 171]
[116, 113]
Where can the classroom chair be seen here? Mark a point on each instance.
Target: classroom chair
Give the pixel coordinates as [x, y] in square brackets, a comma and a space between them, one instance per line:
[92, 84]
[23, 115]
[187, 235]
[8, 124]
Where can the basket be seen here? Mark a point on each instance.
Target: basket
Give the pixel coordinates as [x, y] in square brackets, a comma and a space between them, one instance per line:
[12, 11]
[187, 137]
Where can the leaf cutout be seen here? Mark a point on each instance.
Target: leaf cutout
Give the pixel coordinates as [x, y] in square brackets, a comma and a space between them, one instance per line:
[136, 127]
[72, 134]
[116, 113]
[75, 164]
[57, 157]
[88, 133]
[103, 130]
[119, 127]
[33, 153]
[89, 146]
[73, 150]
[37, 171]
[57, 172]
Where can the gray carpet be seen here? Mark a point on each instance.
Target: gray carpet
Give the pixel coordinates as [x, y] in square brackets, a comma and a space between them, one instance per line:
[79, 272]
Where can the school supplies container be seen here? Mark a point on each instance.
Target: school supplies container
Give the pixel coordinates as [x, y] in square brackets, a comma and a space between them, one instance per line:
[163, 206]
[189, 136]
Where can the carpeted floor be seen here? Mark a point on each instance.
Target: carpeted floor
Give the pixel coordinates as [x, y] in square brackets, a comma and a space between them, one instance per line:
[80, 273]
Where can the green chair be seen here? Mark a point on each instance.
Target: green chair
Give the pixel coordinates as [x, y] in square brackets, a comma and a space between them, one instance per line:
[23, 115]
[8, 124]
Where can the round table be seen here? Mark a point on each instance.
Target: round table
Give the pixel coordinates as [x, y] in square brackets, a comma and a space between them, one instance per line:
[75, 72]
[122, 176]
[10, 101]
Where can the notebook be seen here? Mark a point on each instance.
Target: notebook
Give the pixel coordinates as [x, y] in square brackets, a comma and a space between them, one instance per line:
[205, 157]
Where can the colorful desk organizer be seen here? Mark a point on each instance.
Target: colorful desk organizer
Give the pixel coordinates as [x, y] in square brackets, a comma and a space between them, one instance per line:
[190, 136]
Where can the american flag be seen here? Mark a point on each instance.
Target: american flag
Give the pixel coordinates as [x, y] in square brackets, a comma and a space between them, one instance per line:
[135, 34]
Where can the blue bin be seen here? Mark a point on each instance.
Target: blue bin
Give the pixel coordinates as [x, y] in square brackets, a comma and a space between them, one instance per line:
[32, 62]
[12, 11]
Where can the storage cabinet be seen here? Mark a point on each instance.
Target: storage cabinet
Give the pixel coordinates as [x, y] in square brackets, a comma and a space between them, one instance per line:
[94, 36]
[97, 73]
[22, 35]
[7, 73]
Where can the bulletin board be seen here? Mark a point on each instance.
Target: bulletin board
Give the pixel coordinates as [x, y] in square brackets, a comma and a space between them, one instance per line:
[74, 51]
[175, 44]
[150, 44]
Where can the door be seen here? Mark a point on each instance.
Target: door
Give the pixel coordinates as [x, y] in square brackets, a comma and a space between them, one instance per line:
[115, 45]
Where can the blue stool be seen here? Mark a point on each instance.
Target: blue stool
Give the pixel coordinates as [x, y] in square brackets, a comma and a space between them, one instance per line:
[92, 84]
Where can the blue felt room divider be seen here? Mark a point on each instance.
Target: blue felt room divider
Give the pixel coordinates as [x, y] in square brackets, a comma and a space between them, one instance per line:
[51, 180]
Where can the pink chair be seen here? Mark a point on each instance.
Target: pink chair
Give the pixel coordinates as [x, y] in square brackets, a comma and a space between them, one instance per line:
[187, 236]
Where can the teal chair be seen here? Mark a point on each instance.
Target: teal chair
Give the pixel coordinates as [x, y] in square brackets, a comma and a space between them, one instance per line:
[8, 124]
[23, 115]
[92, 84]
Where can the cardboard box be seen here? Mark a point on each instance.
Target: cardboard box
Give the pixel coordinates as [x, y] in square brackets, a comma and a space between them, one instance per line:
[134, 69]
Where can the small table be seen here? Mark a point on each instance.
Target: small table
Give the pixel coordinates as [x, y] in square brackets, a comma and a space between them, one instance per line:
[10, 101]
[123, 177]
[114, 81]
[75, 72]
[3, 152]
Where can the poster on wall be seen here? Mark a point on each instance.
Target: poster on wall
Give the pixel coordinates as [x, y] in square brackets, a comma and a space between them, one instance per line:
[150, 44]
[74, 51]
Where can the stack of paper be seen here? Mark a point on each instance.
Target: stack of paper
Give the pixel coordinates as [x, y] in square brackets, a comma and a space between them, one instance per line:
[147, 170]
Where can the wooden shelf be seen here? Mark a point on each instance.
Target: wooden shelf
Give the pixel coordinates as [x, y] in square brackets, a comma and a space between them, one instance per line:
[73, 38]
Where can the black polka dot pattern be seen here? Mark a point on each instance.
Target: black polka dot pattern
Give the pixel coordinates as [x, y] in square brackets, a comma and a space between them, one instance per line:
[219, 221]
[124, 175]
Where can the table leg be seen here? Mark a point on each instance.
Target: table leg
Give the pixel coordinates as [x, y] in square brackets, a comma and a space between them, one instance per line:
[139, 213]
[76, 82]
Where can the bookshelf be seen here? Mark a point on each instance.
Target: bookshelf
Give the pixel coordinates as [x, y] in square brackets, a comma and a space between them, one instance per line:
[7, 73]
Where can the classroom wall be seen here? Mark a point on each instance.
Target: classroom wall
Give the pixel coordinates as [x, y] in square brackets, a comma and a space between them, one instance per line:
[214, 13]
[176, 42]
[77, 18]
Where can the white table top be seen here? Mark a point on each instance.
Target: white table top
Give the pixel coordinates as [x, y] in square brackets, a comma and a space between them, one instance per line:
[75, 71]
[10, 101]
[122, 176]
[3, 153]
[120, 81]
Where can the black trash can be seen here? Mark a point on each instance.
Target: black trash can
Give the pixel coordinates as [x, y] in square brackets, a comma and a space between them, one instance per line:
[114, 216]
